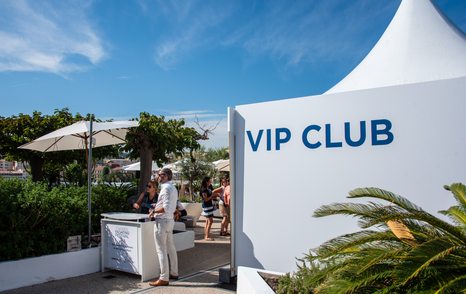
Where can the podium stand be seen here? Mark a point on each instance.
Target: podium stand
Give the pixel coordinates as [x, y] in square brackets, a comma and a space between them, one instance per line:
[128, 244]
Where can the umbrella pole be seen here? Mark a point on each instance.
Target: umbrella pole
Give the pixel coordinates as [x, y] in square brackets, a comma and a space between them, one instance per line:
[89, 182]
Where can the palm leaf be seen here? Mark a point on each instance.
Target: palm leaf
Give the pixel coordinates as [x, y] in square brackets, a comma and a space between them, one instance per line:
[425, 256]
[457, 285]
[456, 214]
[459, 192]
[401, 231]
[349, 242]
[352, 209]
[384, 195]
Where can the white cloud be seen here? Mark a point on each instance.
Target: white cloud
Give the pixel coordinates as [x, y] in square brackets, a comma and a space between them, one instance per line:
[46, 36]
[293, 33]
[190, 25]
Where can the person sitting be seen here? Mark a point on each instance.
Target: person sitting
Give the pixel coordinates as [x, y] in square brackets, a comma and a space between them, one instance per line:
[147, 198]
[180, 211]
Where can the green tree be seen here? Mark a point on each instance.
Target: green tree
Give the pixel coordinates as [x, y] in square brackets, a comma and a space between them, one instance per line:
[213, 154]
[194, 172]
[18, 130]
[408, 251]
[155, 139]
[21, 129]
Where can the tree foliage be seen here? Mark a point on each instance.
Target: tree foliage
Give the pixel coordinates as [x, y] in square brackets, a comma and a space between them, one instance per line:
[407, 251]
[212, 154]
[20, 129]
[156, 139]
[194, 172]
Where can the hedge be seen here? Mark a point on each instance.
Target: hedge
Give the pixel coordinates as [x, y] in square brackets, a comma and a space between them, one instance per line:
[36, 220]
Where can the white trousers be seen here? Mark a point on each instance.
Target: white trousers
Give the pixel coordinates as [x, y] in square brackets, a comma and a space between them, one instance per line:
[163, 232]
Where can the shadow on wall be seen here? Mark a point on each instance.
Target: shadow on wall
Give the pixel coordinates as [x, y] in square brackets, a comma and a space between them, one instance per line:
[244, 249]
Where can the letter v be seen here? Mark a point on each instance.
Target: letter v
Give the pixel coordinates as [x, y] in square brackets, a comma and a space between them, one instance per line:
[255, 145]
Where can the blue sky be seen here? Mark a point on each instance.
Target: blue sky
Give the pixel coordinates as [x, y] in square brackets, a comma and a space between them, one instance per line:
[182, 58]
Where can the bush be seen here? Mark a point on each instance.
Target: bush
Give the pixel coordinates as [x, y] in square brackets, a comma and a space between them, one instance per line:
[36, 220]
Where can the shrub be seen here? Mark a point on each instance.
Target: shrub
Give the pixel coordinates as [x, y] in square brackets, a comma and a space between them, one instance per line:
[36, 220]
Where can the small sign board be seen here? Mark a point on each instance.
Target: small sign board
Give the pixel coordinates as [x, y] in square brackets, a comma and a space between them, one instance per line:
[73, 243]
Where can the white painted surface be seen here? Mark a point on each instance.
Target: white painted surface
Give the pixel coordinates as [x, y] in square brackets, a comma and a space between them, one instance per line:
[419, 45]
[250, 282]
[193, 209]
[37, 270]
[183, 240]
[276, 191]
[130, 246]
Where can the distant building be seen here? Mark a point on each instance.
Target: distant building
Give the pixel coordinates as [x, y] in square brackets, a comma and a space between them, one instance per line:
[13, 174]
[117, 162]
[6, 165]
[12, 169]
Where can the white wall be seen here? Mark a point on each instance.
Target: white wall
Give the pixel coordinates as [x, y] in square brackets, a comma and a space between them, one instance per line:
[31, 271]
[278, 190]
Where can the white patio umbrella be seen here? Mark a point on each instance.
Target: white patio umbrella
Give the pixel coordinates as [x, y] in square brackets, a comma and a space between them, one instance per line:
[77, 136]
[137, 166]
[174, 166]
[222, 165]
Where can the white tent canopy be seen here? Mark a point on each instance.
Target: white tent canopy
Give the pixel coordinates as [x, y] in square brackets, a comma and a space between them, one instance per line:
[419, 45]
[137, 166]
[222, 164]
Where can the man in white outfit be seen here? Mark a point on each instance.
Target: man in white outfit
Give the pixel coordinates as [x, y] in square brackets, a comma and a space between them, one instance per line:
[163, 229]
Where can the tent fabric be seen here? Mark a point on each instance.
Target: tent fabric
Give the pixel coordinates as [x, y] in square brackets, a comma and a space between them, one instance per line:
[419, 45]
[137, 166]
[76, 135]
[222, 164]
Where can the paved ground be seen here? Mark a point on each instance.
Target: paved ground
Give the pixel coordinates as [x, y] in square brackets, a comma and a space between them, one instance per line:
[198, 269]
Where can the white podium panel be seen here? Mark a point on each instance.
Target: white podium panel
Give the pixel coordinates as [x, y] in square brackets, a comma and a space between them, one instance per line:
[128, 244]
[122, 247]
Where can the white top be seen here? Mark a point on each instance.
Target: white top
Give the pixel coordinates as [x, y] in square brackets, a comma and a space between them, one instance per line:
[419, 45]
[125, 216]
[167, 199]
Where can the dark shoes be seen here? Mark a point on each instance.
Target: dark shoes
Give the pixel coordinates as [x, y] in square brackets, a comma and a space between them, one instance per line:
[172, 277]
[158, 283]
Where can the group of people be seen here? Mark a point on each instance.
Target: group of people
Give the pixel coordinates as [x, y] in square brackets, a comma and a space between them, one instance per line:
[164, 208]
[208, 195]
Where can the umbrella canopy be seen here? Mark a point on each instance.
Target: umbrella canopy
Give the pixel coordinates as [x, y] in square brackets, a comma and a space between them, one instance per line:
[173, 166]
[137, 166]
[77, 135]
[222, 165]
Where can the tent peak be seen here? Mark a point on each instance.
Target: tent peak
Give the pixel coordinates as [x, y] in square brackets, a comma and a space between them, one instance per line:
[420, 44]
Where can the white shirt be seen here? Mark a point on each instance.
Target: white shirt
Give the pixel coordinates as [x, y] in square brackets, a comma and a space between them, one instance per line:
[167, 199]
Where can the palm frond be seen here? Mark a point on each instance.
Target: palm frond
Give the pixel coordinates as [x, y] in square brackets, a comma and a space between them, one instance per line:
[384, 195]
[352, 209]
[459, 192]
[457, 285]
[382, 257]
[402, 232]
[441, 226]
[425, 256]
[349, 242]
[456, 214]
